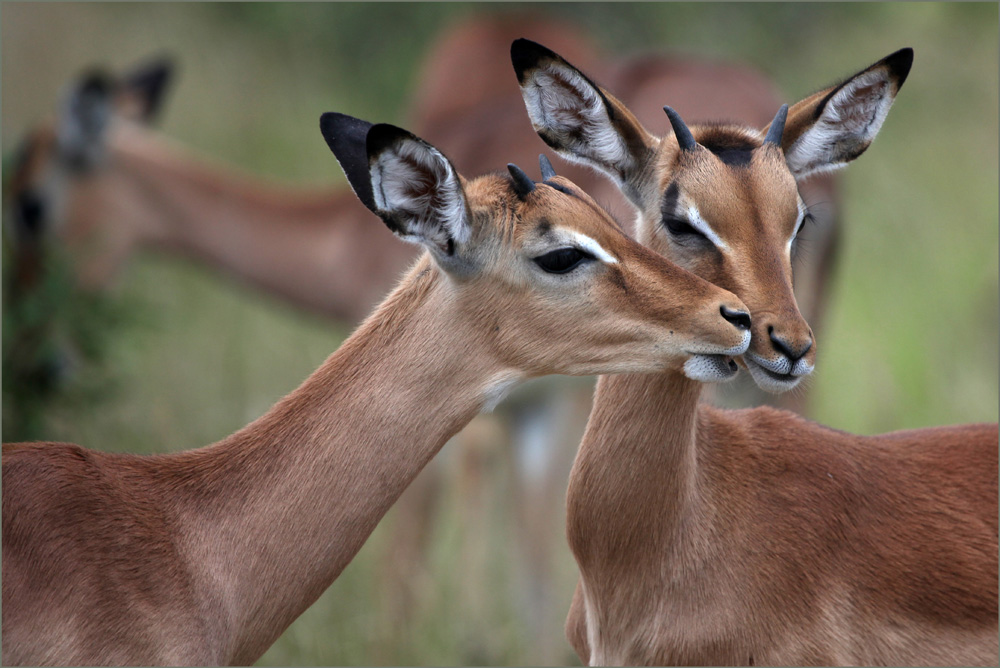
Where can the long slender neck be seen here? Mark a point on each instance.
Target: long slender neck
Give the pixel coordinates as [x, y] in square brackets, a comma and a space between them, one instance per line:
[636, 475]
[308, 246]
[278, 509]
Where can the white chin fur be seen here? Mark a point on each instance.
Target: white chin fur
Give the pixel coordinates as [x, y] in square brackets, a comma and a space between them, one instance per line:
[710, 368]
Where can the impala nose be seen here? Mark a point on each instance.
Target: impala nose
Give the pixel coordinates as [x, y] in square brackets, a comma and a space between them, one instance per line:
[740, 319]
[787, 349]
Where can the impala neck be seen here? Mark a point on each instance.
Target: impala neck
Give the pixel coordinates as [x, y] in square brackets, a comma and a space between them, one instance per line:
[306, 246]
[284, 504]
[636, 476]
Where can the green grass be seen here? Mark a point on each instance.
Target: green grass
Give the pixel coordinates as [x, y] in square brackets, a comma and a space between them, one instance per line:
[911, 336]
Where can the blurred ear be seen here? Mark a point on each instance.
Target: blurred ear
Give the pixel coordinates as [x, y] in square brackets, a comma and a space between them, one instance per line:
[830, 128]
[405, 181]
[579, 119]
[84, 119]
[142, 90]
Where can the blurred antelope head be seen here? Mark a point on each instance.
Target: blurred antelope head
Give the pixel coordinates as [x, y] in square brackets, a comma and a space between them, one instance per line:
[63, 177]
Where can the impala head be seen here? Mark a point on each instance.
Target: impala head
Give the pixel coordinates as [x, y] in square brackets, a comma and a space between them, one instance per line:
[545, 274]
[59, 185]
[719, 200]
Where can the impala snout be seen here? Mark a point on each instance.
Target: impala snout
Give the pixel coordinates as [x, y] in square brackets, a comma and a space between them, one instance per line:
[712, 357]
[781, 354]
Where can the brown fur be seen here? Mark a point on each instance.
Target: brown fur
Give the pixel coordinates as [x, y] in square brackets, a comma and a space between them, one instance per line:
[756, 536]
[206, 556]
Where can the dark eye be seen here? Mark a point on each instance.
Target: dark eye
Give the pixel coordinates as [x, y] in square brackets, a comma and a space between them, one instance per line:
[562, 260]
[806, 219]
[796, 238]
[681, 228]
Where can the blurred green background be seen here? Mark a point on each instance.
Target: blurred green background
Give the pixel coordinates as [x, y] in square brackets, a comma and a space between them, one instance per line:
[912, 333]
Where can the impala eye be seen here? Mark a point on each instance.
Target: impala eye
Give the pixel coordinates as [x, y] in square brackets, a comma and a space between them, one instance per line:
[562, 260]
[806, 219]
[680, 228]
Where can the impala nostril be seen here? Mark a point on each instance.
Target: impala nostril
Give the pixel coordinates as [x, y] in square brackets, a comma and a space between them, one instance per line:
[740, 319]
[785, 349]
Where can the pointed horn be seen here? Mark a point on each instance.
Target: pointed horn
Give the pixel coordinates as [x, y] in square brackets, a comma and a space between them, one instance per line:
[684, 137]
[546, 166]
[777, 127]
[523, 185]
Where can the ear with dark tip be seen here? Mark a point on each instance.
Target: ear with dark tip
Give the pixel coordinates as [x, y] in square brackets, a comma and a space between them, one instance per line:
[145, 87]
[777, 127]
[419, 195]
[523, 185]
[547, 171]
[834, 126]
[684, 137]
[85, 116]
[580, 120]
[347, 138]
[525, 54]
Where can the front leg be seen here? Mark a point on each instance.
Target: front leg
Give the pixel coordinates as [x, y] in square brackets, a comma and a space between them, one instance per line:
[576, 625]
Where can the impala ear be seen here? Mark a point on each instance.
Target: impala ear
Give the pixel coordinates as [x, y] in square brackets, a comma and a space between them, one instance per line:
[830, 128]
[579, 119]
[417, 191]
[405, 181]
[84, 119]
[143, 89]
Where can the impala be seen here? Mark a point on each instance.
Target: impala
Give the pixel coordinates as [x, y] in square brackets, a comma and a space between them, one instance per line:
[706, 536]
[206, 556]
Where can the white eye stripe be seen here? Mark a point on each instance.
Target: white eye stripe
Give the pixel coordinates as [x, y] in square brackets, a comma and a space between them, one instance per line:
[798, 226]
[583, 242]
[700, 224]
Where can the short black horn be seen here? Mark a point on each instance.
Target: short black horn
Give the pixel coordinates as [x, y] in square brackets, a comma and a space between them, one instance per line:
[523, 185]
[684, 137]
[546, 167]
[777, 127]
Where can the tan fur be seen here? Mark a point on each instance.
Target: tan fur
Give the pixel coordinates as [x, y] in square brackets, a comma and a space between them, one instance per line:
[714, 537]
[756, 536]
[206, 556]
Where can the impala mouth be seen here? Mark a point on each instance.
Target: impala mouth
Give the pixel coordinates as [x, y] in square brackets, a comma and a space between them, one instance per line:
[714, 364]
[776, 376]
[710, 368]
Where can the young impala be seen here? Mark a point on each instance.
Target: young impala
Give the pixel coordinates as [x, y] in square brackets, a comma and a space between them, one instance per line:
[206, 556]
[718, 537]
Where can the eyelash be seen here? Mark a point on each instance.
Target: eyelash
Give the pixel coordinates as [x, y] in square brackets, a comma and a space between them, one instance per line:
[680, 228]
[562, 260]
[806, 219]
